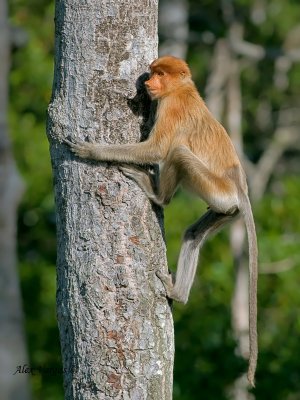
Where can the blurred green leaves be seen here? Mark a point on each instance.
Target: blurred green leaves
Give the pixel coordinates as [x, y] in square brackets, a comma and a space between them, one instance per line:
[30, 89]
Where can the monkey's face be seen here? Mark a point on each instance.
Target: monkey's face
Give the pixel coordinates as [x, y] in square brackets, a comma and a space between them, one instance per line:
[155, 85]
[167, 74]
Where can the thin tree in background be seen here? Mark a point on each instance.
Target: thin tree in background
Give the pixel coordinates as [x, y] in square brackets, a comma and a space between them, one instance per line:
[173, 27]
[13, 354]
[115, 323]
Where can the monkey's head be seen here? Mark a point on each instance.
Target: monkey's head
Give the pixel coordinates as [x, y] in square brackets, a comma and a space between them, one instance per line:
[167, 74]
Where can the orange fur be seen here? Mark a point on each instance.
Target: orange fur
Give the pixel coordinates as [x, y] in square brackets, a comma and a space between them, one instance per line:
[184, 119]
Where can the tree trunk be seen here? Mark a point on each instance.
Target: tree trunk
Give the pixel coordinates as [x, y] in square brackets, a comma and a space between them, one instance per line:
[12, 342]
[115, 323]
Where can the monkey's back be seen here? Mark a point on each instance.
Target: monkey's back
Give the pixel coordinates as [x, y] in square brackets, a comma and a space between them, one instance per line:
[209, 141]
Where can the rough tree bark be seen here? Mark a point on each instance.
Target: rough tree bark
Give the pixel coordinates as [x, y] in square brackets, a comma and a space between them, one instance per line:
[115, 323]
[12, 341]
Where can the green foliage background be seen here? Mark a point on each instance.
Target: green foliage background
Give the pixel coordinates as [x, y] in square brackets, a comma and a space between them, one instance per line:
[205, 361]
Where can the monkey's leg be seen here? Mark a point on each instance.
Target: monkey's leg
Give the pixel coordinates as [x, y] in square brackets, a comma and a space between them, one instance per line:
[193, 240]
[169, 179]
[221, 197]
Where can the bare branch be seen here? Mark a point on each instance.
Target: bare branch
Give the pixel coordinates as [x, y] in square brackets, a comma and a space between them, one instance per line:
[256, 51]
[278, 266]
[284, 137]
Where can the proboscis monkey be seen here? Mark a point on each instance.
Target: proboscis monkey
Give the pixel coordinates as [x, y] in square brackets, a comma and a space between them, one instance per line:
[193, 150]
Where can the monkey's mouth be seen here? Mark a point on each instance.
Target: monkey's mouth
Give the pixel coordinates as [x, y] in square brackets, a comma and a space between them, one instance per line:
[152, 93]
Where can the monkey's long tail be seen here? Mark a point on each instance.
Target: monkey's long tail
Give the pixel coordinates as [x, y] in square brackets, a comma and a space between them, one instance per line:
[253, 273]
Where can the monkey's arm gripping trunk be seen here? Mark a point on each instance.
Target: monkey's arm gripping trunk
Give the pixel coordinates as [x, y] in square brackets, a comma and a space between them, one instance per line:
[138, 153]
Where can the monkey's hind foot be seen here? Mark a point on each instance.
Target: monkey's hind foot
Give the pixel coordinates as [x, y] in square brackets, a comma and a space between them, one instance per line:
[168, 282]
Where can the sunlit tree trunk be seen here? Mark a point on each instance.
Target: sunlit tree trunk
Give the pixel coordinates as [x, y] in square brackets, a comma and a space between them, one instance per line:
[12, 342]
[115, 323]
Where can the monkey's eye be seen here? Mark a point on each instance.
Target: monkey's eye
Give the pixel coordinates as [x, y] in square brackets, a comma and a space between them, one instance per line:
[160, 73]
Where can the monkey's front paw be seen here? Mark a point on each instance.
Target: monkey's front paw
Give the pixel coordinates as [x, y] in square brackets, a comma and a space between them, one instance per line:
[80, 149]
